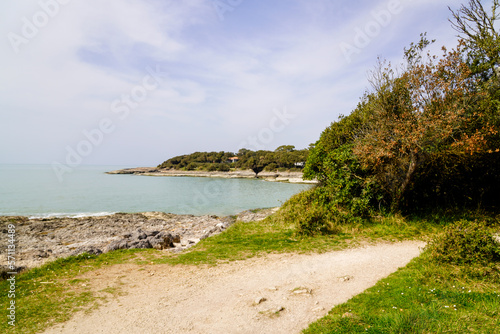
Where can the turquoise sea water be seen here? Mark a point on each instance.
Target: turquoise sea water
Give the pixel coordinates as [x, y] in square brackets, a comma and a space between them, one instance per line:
[34, 190]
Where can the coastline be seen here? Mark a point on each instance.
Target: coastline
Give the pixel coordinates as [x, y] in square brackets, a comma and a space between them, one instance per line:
[41, 240]
[289, 177]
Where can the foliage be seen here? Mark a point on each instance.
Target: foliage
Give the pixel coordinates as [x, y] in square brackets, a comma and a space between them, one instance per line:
[425, 135]
[465, 243]
[433, 107]
[336, 135]
[455, 181]
[347, 192]
[223, 168]
[284, 157]
[318, 211]
[477, 27]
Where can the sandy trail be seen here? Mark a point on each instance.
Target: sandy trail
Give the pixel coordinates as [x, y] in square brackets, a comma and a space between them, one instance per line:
[279, 293]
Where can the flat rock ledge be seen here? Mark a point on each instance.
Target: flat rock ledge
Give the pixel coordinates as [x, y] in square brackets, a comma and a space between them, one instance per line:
[290, 177]
[42, 240]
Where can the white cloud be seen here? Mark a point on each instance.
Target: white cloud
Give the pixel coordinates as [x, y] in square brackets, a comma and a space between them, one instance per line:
[224, 77]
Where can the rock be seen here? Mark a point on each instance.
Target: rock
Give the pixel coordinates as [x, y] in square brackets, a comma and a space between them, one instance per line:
[120, 244]
[140, 239]
[302, 291]
[42, 254]
[5, 270]
[152, 233]
[163, 240]
[260, 300]
[277, 310]
[87, 249]
[318, 309]
[142, 243]
[176, 238]
[140, 235]
[64, 236]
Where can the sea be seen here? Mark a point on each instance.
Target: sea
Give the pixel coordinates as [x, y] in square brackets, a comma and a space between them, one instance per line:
[37, 192]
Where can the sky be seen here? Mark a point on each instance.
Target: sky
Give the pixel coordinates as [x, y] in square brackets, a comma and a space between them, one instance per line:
[135, 82]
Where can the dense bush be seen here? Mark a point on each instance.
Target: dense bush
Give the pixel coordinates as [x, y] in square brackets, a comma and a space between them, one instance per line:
[465, 242]
[315, 211]
[223, 168]
[456, 181]
[426, 136]
[192, 166]
[212, 167]
[404, 149]
[271, 167]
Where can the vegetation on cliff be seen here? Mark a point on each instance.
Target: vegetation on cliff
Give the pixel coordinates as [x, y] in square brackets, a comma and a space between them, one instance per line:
[285, 157]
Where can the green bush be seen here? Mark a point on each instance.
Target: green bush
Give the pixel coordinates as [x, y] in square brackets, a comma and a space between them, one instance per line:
[192, 166]
[315, 212]
[212, 167]
[223, 168]
[465, 242]
[271, 167]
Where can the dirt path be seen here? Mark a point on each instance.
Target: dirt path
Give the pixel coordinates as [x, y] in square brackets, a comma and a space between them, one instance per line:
[272, 294]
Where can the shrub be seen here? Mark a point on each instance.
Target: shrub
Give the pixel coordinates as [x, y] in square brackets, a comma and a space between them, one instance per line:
[465, 242]
[223, 168]
[271, 167]
[212, 167]
[192, 166]
[314, 212]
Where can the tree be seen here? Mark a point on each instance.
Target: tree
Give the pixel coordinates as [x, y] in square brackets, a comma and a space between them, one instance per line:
[285, 148]
[430, 108]
[477, 28]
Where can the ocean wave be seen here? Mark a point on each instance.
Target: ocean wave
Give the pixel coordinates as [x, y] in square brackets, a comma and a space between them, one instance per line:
[70, 215]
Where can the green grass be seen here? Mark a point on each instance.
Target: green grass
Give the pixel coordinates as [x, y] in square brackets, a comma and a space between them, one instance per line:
[52, 293]
[40, 305]
[423, 297]
[245, 240]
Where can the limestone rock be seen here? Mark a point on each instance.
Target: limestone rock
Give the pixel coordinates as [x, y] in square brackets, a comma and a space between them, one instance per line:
[87, 249]
[144, 239]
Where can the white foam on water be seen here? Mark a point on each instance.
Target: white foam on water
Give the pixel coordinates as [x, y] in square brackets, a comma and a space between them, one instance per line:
[69, 215]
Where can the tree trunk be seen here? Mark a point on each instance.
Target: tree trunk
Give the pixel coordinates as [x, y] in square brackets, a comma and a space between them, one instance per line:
[412, 167]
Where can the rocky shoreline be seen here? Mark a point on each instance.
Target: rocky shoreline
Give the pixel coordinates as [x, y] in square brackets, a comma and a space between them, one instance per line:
[290, 177]
[45, 239]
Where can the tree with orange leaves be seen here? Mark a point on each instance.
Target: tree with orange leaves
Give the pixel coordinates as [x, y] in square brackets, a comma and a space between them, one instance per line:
[431, 107]
[426, 135]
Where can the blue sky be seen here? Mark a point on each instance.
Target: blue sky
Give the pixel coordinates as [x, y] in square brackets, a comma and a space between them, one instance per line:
[77, 84]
